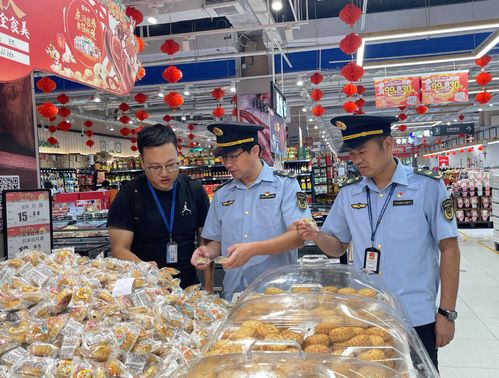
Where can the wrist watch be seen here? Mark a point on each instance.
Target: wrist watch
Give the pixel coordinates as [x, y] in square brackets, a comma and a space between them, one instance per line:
[448, 314]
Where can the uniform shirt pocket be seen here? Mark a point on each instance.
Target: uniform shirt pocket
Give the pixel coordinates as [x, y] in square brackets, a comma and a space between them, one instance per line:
[405, 219]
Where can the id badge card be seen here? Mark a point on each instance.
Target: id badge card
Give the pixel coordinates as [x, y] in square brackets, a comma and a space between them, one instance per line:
[371, 260]
[171, 253]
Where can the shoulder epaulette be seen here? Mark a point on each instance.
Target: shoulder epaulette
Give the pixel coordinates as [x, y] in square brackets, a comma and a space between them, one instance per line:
[284, 174]
[351, 181]
[222, 185]
[427, 173]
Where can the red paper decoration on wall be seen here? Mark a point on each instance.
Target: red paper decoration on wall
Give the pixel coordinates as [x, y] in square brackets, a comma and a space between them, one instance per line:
[88, 123]
[361, 89]
[349, 107]
[52, 129]
[141, 115]
[403, 128]
[421, 109]
[316, 78]
[167, 118]
[217, 94]
[89, 133]
[125, 131]
[480, 148]
[218, 112]
[134, 14]
[402, 117]
[316, 95]
[349, 89]
[133, 148]
[483, 78]
[140, 44]
[90, 143]
[124, 119]
[483, 61]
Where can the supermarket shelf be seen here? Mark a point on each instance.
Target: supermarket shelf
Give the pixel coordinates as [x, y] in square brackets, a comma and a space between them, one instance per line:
[296, 161]
[117, 171]
[202, 166]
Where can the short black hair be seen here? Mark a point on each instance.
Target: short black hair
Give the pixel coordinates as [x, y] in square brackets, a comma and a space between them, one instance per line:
[105, 184]
[154, 136]
[246, 147]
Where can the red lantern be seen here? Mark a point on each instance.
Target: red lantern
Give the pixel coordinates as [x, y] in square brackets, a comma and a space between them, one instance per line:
[421, 109]
[179, 140]
[191, 136]
[470, 149]
[134, 14]
[192, 145]
[172, 74]
[52, 129]
[316, 78]
[461, 117]
[480, 148]
[140, 44]
[47, 110]
[46, 84]
[90, 143]
[402, 117]
[190, 126]
[52, 119]
[360, 102]
[483, 61]
[141, 115]
[402, 108]
[352, 72]
[318, 110]
[89, 133]
[234, 112]
[88, 123]
[133, 148]
[483, 78]
[62, 99]
[124, 107]
[351, 43]
[217, 94]
[218, 112]
[438, 141]
[133, 140]
[349, 107]
[167, 118]
[140, 98]
[133, 131]
[316, 95]
[361, 89]
[64, 112]
[52, 141]
[349, 89]
[124, 119]
[125, 131]
[403, 128]
[359, 111]
[141, 73]
[483, 97]
[454, 152]
[461, 151]
[350, 14]
[139, 129]
[170, 47]
[173, 100]
[64, 126]
[447, 153]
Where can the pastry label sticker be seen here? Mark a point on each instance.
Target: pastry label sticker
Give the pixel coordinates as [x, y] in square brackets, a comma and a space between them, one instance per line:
[403, 203]
[301, 201]
[448, 210]
[358, 206]
[227, 203]
[123, 286]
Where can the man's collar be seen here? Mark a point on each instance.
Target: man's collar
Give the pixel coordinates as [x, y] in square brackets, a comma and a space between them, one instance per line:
[399, 177]
[266, 174]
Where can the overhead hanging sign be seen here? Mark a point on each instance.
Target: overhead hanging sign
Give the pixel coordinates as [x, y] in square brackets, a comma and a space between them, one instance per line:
[396, 91]
[459, 128]
[87, 41]
[445, 87]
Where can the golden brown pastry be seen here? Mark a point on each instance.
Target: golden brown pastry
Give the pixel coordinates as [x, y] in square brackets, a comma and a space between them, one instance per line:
[272, 290]
[368, 292]
[377, 331]
[317, 340]
[341, 334]
[301, 289]
[243, 333]
[293, 336]
[42, 350]
[63, 369]
[316, 348]
[330, 289]
[101, 353]
[266, 329]
[376, 340]
[360, 340]
[325, 328]
[371, 355]
[347, 290]
[253, 324]
[358, 330]
[374, 372]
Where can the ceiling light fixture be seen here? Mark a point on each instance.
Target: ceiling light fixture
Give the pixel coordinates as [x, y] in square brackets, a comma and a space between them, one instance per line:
[232, 87]
[299, 82]
[276, 5]
[111, 128]
[454, 149]
[185, 45]
[152, 17]
[161, 93]
[310, 120]
[304, 110]
[97, 97]
[316, 127]
[183, 118]
[186, 91]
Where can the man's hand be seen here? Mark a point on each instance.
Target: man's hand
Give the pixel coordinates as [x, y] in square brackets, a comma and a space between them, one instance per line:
[305, 231]
[201, 258]
[444, 331]
[238, 254]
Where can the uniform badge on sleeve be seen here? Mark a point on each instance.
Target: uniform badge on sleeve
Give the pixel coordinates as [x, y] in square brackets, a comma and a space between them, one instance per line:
[301, 201]
[448, 210]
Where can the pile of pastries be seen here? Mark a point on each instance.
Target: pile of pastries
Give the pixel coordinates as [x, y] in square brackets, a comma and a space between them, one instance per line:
[59, 318]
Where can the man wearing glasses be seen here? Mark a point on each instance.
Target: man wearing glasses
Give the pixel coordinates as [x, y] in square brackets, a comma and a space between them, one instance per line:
[148, 220]
[250, 221]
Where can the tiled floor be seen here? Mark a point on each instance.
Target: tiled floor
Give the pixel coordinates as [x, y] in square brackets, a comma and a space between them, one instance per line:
[475, 349]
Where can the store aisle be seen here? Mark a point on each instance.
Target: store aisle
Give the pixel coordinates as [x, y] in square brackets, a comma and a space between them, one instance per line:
[475, 349]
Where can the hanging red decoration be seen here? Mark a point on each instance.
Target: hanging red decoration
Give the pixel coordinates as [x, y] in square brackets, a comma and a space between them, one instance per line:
[460, 135]
[90, 143]
[234, 112]
[179, 140]
[173, 100]
[402, 108]
[360, 102]
[461, 117]
[190, 136]
[141, 98]
[64, 112]
[172, 74]
[139, 129]
[124, 107]
[350, 14]
[470, 149]
[47, 110]
[134, 14]
[217, 94]
[480, 148]
[483, 61]
[421, 109]
[349, 89]
[403, 128]
[52, 119]
[133, 140]
[124, 119]
[349, 107]
[316, 95]
[133, 148]
[52, 129]
[218, 112]
[125, 131]
[88, 123]
[140, 44]
[133, 131]
[46, 84]
[89, 133]
[141, 73]
[316, 78]
[402, 117]
[438, 141]
[461, 151]
[454, 152]
[352, 72]
[64, 126]
[318, 110]
[359, 111]
[483, 97]
[167, 118]
[351, 43]
[361, 89]
[190, 127]
[170, 47]
[62, 99]
[447, 153]
[141, 115]
[483, 78]
[192, 145]
[52, 141]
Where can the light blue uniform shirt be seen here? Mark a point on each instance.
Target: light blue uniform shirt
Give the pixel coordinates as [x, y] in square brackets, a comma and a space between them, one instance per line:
[408, 235]
[263, 211]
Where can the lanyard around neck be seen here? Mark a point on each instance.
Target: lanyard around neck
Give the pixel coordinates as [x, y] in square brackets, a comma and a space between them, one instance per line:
[370, 211]
[169, 225]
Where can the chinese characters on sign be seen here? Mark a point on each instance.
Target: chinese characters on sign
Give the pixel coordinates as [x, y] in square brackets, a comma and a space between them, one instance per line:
[445, 87]
[8, 183]
[398, 91]
[460, 128]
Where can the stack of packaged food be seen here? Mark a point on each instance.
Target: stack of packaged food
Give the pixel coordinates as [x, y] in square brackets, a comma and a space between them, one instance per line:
[63, 315]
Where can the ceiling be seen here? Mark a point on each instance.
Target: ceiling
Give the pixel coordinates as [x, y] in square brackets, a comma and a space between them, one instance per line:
[228, 39]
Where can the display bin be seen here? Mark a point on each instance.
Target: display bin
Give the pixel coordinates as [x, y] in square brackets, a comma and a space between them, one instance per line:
[329, 323]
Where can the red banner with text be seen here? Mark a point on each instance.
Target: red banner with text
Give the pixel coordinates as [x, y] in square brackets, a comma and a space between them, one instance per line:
[397, 91]
[87, 41]
[445, 87]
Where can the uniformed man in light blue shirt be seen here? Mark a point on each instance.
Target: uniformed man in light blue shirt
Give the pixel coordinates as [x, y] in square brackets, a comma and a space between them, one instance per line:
[251, 216]
[401, 223]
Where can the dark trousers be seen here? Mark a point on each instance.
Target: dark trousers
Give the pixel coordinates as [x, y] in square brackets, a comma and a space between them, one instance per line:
[427, 335]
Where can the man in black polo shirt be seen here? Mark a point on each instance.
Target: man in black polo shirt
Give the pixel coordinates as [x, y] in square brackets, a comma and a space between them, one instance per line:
[156, 216]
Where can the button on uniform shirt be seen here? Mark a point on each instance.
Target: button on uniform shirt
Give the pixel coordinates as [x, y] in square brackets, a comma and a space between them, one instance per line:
[263, 211]
[408, 236]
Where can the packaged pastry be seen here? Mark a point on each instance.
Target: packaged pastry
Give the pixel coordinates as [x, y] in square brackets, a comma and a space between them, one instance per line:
[311, 223]
[36, 367]
[6, 344]
[43, 350]
[63, 369]
[126, 335]
[14, 355]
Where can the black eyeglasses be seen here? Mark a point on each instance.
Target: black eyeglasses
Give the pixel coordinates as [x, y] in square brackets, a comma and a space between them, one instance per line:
[157, 169]
[232, 157]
